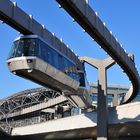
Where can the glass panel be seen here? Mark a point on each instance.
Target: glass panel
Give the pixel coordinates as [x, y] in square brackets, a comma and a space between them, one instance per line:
[121, 97]
[60, 61]
[66, 70]
[110, 97]
[49, 55]
[43, 51]
[55, 59]
[137, 99]
[70, 69]
[19, 50]
[82, 79]
[46, 52]
[13, 49]
[33, 48]
[94, 97]
[24, 47]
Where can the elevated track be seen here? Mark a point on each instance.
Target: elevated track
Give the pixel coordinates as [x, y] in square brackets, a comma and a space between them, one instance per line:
[92, 24]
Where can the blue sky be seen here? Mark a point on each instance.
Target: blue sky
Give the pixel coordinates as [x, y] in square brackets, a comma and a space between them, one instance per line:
[121, 17]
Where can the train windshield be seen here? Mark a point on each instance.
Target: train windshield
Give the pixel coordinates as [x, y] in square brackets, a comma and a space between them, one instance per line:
[24, 47]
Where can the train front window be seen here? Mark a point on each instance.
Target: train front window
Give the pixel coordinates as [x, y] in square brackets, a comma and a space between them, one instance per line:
[13, 49]
[19, 49]
[24, 47]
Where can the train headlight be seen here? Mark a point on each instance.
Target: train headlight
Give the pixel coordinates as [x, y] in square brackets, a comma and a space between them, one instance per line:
[30, 70]
[9, 63]
[29, 60]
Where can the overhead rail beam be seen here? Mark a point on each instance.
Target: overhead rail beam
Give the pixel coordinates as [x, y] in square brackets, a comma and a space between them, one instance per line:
[92, 24]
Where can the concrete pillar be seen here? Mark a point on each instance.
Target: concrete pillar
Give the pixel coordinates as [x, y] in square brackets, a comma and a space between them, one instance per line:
[102, 110]
[115, 99]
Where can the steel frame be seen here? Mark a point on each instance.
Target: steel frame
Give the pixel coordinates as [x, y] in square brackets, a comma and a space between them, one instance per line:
[25, 99]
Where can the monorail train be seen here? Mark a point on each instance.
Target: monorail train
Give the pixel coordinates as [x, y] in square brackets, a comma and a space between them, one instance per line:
[58, 68]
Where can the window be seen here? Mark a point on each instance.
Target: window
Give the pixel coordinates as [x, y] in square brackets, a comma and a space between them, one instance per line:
[33, 47]
[46, 52]
[19, 49]
[94, 97]
[49, 55]
[24, 47]
[60, 62]
[55, 59]
[66, 65]
[13, 49]
[70, 69]
[82, 79]
[43, 51]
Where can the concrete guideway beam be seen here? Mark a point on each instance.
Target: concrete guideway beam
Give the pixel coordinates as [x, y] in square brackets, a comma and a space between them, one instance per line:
[91, 23]
[102, 109]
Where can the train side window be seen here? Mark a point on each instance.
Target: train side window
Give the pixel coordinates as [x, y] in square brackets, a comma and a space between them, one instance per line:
[55, 59]
[82, 79]
[43, 51]
[70, 69]
[49, 55]
[60, 62]
[37, 47]
[66, 69]
[33, 48]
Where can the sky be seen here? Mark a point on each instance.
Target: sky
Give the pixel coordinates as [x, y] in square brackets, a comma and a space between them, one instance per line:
[122, 17]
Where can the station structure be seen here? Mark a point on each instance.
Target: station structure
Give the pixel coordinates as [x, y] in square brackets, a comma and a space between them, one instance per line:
[41, 105]
[44, 113]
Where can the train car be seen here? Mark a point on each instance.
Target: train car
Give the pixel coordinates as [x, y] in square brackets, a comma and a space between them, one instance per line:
[58, 68]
